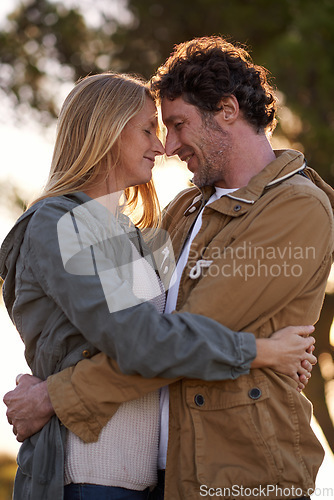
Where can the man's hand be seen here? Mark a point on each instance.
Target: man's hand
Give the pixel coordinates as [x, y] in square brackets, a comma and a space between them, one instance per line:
[29, 406]
[288, 351]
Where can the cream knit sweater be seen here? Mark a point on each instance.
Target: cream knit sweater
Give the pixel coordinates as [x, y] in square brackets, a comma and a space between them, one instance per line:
[125, 454]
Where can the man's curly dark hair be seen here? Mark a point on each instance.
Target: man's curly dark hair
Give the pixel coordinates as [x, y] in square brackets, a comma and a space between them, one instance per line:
[204, 70]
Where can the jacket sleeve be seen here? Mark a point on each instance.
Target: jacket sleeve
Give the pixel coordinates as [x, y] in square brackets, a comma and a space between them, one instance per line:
[88, 394]
[141, 340]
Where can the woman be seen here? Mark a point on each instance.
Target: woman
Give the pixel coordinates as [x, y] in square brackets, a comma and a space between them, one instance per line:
[78, 277]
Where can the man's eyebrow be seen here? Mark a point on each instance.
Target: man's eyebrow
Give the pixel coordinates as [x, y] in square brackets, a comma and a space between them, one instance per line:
[171, 119]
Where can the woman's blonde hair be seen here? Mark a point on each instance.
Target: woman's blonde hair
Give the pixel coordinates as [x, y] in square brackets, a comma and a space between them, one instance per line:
[88, 140]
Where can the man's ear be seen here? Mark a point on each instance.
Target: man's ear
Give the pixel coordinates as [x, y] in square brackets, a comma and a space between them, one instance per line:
[229, 111]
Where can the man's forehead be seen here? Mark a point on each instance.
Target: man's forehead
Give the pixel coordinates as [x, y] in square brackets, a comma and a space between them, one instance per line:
[172, 110]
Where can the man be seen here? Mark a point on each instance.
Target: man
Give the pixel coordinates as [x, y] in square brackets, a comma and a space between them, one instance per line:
[247, 261]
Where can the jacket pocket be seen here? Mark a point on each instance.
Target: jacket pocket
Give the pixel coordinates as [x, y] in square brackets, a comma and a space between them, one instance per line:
[235, 438]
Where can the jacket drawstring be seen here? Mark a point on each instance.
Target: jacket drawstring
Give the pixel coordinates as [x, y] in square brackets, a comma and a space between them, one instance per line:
[195, 271]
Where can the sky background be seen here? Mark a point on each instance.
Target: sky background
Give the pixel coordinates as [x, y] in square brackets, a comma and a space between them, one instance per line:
[25, 161]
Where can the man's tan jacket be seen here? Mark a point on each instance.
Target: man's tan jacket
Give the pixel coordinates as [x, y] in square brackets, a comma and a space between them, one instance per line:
[259, 262]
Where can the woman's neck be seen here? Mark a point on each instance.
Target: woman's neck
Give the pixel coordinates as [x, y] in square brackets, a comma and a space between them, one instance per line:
[111, 201]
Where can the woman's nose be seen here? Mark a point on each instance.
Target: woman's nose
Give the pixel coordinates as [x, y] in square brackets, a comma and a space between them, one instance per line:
[158, 147]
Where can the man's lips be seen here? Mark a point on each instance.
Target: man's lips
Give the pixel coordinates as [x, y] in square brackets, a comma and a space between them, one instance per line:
[186, 157]
[152, 160]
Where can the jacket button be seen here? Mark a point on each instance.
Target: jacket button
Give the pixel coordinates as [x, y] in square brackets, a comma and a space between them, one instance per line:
[86, 353]
[199, 400]
[237, 208]
[255, 393]
[192, 209]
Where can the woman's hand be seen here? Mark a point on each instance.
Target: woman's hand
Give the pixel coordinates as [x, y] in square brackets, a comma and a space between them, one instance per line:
[288, 351]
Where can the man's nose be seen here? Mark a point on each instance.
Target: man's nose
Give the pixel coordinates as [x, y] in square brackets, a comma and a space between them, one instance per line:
[172, 144]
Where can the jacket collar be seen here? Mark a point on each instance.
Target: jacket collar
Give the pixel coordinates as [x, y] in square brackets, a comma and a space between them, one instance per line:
[286, 164]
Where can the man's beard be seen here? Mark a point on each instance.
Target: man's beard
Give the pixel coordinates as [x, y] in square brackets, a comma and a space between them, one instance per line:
[215, 146]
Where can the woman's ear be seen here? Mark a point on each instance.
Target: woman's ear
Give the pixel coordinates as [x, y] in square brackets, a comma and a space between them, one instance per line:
[229, 109]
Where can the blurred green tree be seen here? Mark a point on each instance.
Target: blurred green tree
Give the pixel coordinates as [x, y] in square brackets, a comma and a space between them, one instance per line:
[46, 44]
[294, 39]
[43, 46]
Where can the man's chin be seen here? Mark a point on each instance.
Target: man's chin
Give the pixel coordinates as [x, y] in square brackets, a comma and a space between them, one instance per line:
[196, 182]
[200, 183]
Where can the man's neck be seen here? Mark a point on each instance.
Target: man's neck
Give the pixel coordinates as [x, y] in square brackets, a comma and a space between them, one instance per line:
[249, 156]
